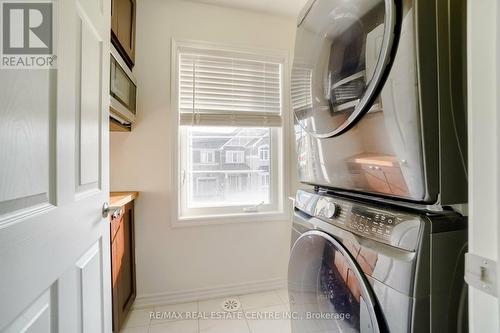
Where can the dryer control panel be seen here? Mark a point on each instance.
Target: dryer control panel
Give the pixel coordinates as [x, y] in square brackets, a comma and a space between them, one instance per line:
[392, 227]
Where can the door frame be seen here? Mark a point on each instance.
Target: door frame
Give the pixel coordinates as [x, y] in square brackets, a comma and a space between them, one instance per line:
[483, 72]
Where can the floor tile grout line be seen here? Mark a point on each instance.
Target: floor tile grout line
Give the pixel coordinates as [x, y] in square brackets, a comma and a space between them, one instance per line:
[279, 297]
[244, 314]
[248, 323]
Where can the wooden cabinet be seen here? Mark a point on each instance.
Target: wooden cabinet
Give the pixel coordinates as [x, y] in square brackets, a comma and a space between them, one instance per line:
[122, 259]
[123, 28]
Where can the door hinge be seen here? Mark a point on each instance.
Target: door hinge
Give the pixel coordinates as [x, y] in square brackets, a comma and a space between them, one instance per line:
[481, 273]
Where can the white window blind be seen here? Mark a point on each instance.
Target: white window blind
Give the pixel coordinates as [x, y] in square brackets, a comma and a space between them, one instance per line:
[301, 88]
[229, 90]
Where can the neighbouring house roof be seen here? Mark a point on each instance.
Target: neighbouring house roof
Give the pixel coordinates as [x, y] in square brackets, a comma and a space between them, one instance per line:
[246, 137]
[209, 143]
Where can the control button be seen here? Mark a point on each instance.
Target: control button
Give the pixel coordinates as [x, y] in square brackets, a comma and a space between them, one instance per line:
[332, 210]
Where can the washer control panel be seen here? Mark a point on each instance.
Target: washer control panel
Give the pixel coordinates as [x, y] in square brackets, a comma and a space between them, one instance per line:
[387, 226]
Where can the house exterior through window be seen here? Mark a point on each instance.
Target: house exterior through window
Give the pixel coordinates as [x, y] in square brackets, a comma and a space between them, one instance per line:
[237, 170]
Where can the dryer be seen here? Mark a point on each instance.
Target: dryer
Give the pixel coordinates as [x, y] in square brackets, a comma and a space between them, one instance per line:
[356, 267]
[378, 91]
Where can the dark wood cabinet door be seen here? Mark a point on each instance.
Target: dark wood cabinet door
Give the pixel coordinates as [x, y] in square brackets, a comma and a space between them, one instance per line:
[123, 28]
[114, 17]
[126, 292]
[123, 264]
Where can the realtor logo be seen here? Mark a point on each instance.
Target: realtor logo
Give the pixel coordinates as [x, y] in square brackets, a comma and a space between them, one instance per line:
[27, 34]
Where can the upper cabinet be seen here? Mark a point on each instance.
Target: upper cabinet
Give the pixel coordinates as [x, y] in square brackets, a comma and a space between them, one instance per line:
[123, 28]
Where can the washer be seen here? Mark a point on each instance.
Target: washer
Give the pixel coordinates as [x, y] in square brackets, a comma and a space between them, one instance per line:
[358, 267]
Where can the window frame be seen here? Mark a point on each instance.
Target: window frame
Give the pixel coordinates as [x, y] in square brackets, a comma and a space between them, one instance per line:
[280, 144]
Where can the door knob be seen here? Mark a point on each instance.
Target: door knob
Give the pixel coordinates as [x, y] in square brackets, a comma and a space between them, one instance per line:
[113, 210]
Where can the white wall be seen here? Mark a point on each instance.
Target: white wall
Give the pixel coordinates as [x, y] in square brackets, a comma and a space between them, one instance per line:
[194, 259]
[484, 147]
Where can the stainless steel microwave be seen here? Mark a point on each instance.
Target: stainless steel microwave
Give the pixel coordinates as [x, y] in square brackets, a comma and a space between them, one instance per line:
[122, 90]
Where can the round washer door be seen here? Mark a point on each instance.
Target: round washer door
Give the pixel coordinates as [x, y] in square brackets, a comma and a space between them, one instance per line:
[343, 55]
[327, 290]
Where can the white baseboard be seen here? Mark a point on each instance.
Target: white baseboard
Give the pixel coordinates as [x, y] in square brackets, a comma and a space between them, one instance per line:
[149, 300]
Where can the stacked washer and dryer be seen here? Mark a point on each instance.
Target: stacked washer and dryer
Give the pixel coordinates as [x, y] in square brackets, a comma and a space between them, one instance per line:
[379, 96]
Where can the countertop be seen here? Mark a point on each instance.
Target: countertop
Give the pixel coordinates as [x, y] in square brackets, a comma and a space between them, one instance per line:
[122, 198]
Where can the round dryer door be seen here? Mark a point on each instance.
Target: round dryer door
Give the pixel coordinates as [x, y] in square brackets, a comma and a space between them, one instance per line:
[327, 290]
[343, 55]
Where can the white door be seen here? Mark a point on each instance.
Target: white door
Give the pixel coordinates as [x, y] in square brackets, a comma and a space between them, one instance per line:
[54, 243]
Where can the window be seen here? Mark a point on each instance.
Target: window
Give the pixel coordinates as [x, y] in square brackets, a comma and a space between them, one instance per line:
[264, 179]
[207, 156]
[264, 153]
[230, 117]
[233, 157]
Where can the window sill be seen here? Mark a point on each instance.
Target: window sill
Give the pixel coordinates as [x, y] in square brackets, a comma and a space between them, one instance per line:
[186, 222]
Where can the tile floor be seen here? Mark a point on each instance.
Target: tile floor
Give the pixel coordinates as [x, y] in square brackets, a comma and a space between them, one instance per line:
[243, 320]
